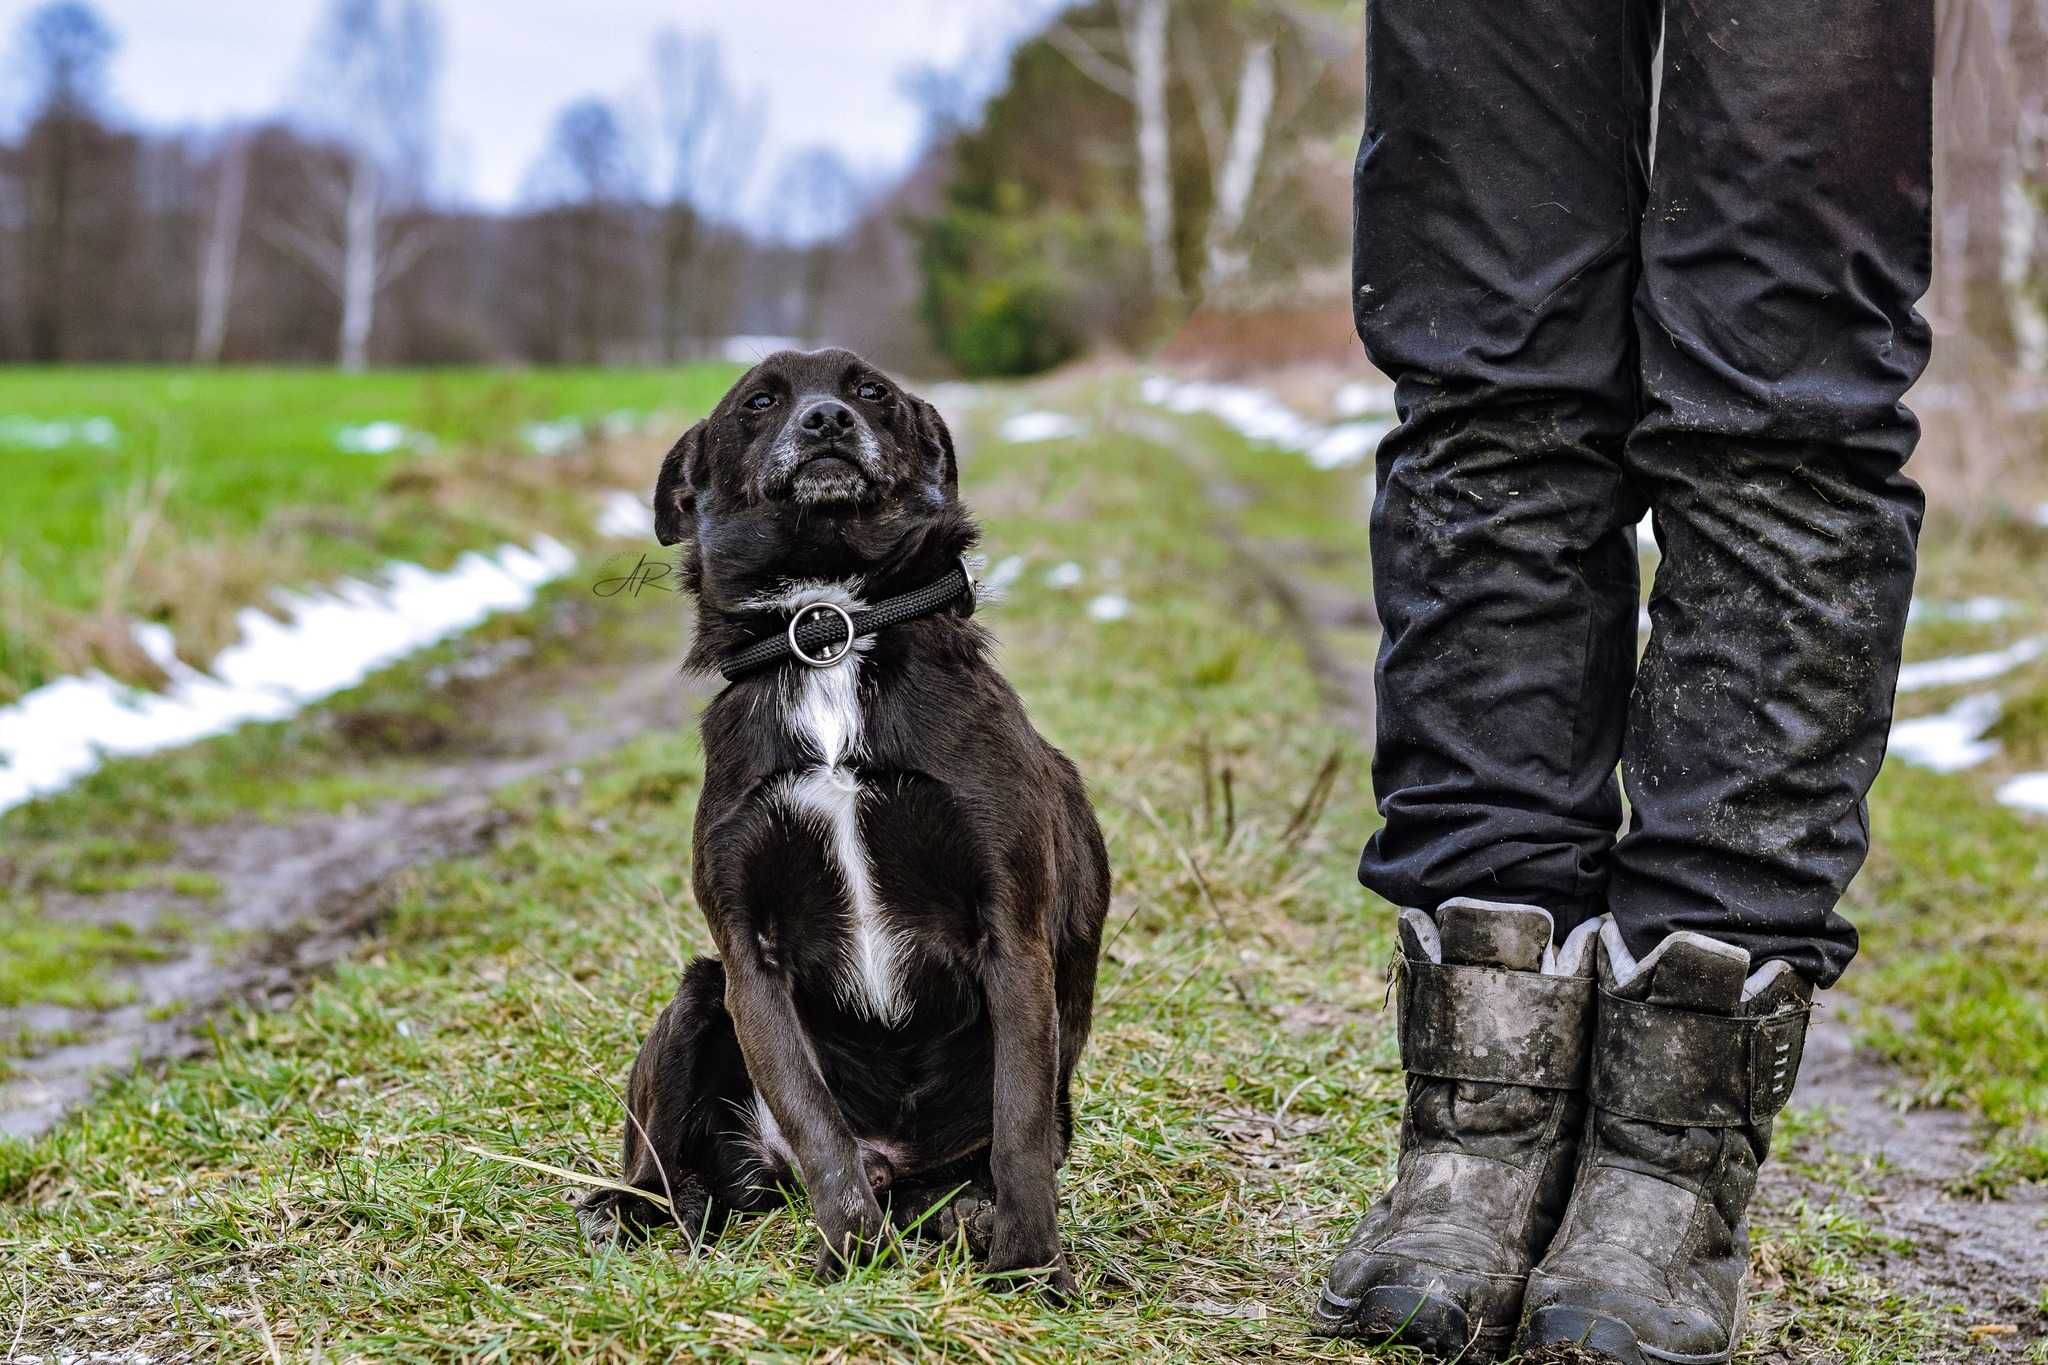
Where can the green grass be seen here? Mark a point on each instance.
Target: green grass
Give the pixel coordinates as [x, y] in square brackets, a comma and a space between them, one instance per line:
[223, 483]
[57, 962]
[1955, 955]
[332, 1178]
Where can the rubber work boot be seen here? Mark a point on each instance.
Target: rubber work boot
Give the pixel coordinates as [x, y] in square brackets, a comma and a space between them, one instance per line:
[1693, 1057]
[1495, 1029]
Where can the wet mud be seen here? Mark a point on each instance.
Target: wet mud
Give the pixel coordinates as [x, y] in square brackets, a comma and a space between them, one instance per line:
[294, 897]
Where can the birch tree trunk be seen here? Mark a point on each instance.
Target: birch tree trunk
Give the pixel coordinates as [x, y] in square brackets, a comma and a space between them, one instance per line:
[217, 261]
[359, 263]
[1145, 39]
[1226, 261]
[2025, 182]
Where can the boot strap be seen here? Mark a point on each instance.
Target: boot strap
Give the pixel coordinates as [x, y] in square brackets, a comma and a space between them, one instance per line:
[1679, 1067]
[1503, 1027]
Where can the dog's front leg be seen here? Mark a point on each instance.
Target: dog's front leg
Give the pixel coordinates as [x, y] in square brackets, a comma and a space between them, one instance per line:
[784, 1069]
[1025, 1149]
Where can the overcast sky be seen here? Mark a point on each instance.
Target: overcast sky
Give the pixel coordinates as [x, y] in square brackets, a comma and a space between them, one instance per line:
[830, 68]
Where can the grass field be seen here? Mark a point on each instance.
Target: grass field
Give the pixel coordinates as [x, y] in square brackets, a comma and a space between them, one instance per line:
[339, 1178]
[178, 495]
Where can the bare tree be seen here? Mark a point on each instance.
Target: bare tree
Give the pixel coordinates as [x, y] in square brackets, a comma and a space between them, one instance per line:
[1235, 153]
[370, 81]
[1141, 79]
[817, 199]
[217, 255]
[2024, 184]
[64, 47]
[589, 178]
[1144, 23]
[709, 136]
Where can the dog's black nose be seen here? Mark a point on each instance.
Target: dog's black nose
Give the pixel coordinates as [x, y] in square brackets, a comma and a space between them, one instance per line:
[826, 419]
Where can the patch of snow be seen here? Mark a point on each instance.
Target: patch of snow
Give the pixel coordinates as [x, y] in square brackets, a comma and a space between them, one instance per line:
[1000, 578]
[1975, 611]
[2041, 515]
[1348, 444]
[331, 640]
[1971, 668]
[1358, 398]
[1110, 606]
[624, 422]
[953, 393]
[380, 438]
[1025, 427]
[31, 433]
[622, 516]
[1258, 416]
[1950, 740]
[1066, 575]
[552, 438]
[2028, 791]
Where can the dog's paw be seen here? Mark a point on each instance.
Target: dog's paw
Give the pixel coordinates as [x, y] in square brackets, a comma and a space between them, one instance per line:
[604, 1221]
[970, 1216]
[1021, 1258]
[1051, 1279]
[622, 1218]
[852, 1230]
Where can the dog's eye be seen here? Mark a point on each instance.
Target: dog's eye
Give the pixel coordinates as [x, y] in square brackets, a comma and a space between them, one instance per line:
[871, 392]
[761, 402]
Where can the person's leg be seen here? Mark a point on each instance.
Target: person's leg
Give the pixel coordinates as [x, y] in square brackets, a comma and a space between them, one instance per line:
[1784, 247]
[1786, 242]
[1498, 191]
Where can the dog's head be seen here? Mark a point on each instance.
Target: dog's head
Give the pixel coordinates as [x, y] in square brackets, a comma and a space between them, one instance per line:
[813, 439]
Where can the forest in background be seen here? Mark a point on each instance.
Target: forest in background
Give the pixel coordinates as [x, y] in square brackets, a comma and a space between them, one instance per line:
[1136, 164]
[1175, 136]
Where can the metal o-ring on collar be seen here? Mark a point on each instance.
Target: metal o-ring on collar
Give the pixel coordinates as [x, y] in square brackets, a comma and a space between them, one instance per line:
[833, 653]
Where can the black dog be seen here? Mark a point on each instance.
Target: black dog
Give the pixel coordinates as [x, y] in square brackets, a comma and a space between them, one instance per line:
[905, 882]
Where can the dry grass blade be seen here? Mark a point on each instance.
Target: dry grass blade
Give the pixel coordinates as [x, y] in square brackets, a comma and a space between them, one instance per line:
[262, 1318]
[1194, 871]
[1310, 811]
[563, 1173]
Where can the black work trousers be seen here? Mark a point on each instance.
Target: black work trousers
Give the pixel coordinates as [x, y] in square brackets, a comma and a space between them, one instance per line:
[1577, 335]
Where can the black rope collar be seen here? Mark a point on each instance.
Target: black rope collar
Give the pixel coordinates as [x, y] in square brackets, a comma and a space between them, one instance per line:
[820, 634]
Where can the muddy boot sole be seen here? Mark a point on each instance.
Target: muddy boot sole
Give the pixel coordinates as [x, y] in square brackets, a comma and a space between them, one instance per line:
[1394, 1314]
[1569, 1336]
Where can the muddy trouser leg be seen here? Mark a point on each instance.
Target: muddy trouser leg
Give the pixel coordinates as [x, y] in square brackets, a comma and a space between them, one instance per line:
[1785, 243]
[1499, 186]
[1783, 249]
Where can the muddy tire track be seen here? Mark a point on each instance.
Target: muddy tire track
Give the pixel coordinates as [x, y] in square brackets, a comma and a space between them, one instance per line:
[296, 897]
[1906, 1173]
[1310, 610]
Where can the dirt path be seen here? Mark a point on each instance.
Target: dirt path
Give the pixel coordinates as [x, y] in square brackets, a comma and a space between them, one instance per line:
[295, 897]
[1943, 1244]
[1947, 1245]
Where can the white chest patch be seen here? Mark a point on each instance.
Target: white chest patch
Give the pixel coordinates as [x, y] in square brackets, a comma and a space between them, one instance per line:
[821, 707]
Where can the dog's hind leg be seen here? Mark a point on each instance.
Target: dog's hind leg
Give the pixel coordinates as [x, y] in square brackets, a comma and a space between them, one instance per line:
[687, 1139]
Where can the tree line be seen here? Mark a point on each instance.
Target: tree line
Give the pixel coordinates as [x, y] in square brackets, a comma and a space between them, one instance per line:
[317, 236]
[1134, 162]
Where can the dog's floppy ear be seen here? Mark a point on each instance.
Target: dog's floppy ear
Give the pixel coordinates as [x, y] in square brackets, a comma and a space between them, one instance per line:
[675, 492]
[937, 441]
